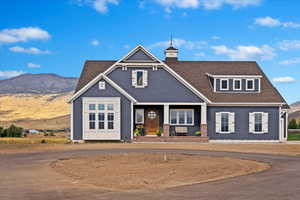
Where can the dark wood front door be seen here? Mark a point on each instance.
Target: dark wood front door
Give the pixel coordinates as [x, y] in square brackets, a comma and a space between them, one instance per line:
[151, 121]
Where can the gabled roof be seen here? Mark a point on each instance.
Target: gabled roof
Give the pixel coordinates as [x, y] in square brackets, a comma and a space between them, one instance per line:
[194, 74]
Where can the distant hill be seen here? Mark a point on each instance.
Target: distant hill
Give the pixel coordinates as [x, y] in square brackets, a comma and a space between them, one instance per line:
[38, 84]
[295, 111]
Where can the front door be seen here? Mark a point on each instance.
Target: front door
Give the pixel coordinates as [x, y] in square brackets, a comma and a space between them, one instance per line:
[151, 121]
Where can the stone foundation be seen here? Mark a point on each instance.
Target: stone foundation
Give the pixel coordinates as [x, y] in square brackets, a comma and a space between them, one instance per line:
[203, 129]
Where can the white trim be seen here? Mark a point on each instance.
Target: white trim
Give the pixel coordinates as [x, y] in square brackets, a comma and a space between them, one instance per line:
[94, 81]
[234, 76]
[168, 103]
[224, 132]
[243, 141]
[237, 79]
[262, 121]
[185, 117]
[78, 141]
[71, 121]
[215, 86]
[170, 70]
[139, 65]
[166, 114]
[259, 85]
[204, 114]
[247, 104]
[131, 121]
[143, 121]
[248, 89]
[224, 79]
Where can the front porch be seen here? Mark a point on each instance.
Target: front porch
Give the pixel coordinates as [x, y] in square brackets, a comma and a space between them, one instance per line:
[167, 122]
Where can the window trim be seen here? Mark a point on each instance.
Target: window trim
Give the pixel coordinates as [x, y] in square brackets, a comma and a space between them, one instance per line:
[224, 132]
[143, 81]
[262, 130]
[102, 85]
[237, 79]
[140, 109]
[185, 117]
[253, 80]
[224, 79]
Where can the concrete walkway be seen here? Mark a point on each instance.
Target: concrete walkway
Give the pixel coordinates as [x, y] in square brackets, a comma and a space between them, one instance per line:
[29, 177]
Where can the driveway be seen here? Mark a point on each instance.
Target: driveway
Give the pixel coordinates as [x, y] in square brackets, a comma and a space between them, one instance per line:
[29, 177]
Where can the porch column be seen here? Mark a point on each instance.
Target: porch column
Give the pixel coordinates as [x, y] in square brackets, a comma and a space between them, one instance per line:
[203, 125]
[166, 121]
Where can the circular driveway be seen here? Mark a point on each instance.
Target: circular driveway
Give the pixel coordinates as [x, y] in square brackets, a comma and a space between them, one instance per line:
[29, 177]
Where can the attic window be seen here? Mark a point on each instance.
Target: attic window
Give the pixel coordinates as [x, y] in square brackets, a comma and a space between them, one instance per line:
[224, 84]
[250, 84]
[139, 78]
[101, 85]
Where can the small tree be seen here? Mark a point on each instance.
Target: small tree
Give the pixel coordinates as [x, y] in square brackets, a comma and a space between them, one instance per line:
[1, 131]
[14, 131]
[293, 124]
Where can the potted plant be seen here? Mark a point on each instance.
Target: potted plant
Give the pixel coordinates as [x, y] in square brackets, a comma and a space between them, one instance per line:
[197, 133]
[137, 132]
[159, 133]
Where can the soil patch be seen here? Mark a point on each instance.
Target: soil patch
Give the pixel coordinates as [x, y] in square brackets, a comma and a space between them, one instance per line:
[139, 171]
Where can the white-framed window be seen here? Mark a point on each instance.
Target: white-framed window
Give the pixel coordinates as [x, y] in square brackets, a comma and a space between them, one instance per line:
[250, 84]
[139, 116]
[140, 78]
[101, 85]
[225, 122]
[224, 84]
[182, 117]
[237, 84]
[258, 122]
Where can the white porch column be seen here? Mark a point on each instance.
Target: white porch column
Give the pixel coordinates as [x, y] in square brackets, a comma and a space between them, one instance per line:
[203, 126]
[166, 121]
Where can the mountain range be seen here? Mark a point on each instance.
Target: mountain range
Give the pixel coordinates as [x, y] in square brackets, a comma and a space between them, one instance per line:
[38, 84]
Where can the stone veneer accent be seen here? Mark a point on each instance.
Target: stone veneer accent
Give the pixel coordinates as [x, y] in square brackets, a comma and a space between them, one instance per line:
[203, 129]
[166, 132]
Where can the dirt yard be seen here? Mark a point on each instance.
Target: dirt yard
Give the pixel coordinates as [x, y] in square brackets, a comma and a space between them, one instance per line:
[137, 171]
[277, 148]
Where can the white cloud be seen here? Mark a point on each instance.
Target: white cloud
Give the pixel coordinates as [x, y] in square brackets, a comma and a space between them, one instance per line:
[101, 5]
[95, 42]
[272, 22]
[127, 46]
[290, 62]
[215, 37]
[10, 73]
[179, 3]
[32, 65]
[200, 54]
[30, 50]
[264, 52]
[285, 79]
[289, 44]
[180, 43]
[23, 35]
[216, 4]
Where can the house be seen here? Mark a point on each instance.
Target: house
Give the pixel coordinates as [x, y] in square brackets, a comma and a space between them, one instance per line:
[141, 94]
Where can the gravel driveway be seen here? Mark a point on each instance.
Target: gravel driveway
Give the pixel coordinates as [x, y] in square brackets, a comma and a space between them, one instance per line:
[29, 177]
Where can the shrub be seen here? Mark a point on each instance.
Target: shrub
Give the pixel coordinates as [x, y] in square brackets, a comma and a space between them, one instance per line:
[1, 131]
[293, 124]
[13, 131]
[46, 134]
[43, 141]
[197, 133]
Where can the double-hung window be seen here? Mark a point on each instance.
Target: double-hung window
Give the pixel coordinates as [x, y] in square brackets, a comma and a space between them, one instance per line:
[101, 116]
[258, 122]
[224, 122]
[237, 84]
[250, 84]
[139, 116]
[224, 84]
[182, 117]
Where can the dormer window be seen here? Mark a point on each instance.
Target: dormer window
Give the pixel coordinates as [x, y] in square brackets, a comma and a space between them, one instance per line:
[139, 78]
[237, 84]
[224, 84]
[250, 84]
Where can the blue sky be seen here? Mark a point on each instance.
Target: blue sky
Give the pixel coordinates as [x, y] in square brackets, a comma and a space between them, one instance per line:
[57, 36]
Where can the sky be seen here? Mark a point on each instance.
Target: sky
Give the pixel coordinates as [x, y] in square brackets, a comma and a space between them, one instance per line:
[57, 36]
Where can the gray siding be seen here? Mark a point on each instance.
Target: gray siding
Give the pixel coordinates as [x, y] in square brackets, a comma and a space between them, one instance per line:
[140, 56]
[242, 123]
[162, 86]
[218, 86]
[108, 92]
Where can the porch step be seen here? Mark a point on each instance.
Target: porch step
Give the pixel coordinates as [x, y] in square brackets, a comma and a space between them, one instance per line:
[171, 139]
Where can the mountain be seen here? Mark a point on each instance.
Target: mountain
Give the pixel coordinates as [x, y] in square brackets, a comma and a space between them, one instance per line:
[295, 111]
[38, 84]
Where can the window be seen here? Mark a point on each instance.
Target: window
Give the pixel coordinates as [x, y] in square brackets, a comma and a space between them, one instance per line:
[237, 84]
[224, 122]
[101, 107]
[182, 116]
[92, 106]
[139, 116]
[101, 85]
[92, 121]
[110, 107]
[139, 78]
[224, 84]
[101, 118]
[151, 115]
[250, 84]
[258, 122]
[110, 121]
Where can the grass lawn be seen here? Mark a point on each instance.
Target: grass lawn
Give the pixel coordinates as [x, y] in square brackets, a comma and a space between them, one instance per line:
[294, 136]
[38, 140]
